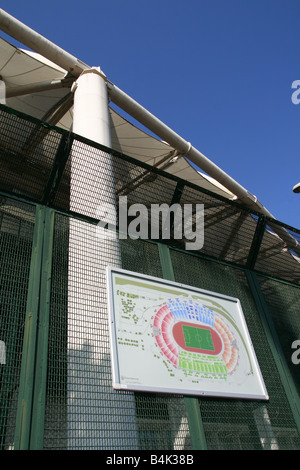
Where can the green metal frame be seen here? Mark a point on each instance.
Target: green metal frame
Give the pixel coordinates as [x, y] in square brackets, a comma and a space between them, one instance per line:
[256, 242]
[39, 397]
[59, 163]
[192, 404]
[32, 390]
[23, 421]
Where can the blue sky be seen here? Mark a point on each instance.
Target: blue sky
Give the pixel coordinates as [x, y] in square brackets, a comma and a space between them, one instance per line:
[218, 72]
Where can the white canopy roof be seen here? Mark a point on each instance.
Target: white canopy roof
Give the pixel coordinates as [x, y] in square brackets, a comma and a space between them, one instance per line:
[42, 89]
[20, 68]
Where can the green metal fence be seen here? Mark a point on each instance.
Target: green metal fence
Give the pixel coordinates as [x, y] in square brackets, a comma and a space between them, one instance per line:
[55, 385]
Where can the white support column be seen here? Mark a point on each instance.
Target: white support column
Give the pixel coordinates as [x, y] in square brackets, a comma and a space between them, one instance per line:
[98, 417]
[91, 116]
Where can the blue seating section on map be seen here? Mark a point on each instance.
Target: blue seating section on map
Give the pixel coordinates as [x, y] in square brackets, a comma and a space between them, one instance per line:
[191, 311]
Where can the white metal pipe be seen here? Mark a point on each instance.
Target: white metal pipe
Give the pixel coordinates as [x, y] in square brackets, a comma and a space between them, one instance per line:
[164, 132]
[59, 113]
[47, 85]
[40, 44]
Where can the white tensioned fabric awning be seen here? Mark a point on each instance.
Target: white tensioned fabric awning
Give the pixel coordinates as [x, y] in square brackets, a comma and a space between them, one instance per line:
[28, 76]
[21, 69]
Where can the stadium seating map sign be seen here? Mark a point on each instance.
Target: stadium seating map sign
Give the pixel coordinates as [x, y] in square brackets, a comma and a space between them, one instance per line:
[172, 338]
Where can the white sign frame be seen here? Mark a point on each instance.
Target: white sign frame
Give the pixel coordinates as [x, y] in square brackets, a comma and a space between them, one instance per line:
[142, 346]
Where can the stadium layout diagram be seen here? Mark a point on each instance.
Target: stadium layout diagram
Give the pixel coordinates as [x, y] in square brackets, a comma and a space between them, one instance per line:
[168, 337]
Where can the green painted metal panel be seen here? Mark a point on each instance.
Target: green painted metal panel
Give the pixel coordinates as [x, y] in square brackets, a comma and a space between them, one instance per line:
[191, 404]
[39, 398]
[23, 421]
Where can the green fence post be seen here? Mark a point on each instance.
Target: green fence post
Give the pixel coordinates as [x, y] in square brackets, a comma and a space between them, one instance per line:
[39, 399]
[192, 404]
[23, 419]
[257, 241]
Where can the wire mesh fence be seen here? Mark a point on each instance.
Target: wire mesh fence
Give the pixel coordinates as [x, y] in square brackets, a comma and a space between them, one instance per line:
[234, 424]
[65, 171]
[283, 300]
[79, 180]
[16, 234]
[82, 409]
